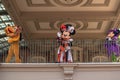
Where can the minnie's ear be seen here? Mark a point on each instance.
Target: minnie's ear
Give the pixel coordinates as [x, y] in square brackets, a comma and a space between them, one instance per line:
[116, 31]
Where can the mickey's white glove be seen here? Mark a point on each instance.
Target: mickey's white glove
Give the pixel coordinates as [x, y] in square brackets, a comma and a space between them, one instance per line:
[70, 40]
[67, 48]
[59, 34]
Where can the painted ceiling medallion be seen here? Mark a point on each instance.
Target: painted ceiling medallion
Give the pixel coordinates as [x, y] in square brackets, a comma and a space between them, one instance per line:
[68, 2]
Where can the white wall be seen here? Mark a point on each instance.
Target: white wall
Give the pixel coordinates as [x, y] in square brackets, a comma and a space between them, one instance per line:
[63, 71]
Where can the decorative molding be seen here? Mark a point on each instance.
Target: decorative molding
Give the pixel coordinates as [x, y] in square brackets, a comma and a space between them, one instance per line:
[68, 70]
[48, 4]
[38, 26]
[116, 23]
[79, 24]
[68, 3]
[98, 27]
[45, 25]
[89, 3]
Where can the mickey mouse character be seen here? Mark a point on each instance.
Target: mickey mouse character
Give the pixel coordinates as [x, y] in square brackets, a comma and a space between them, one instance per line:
[65, 41]
[111, 44]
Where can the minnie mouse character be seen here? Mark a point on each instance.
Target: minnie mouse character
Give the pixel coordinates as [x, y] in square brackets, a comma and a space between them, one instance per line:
[65, 41]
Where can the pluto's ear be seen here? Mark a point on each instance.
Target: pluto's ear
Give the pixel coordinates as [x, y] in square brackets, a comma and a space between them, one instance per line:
[8, 25]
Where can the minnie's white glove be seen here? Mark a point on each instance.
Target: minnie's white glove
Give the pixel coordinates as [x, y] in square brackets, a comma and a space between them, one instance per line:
[108, 38]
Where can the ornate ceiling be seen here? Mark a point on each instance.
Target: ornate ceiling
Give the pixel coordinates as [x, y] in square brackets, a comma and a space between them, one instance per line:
[42, 18]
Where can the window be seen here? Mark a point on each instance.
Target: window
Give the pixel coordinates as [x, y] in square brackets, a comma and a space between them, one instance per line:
[5, 19]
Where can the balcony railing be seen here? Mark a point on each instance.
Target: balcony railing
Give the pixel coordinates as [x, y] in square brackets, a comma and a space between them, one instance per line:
[45, 51]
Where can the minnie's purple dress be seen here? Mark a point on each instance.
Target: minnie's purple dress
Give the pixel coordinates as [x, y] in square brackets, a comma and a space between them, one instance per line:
[112, 46]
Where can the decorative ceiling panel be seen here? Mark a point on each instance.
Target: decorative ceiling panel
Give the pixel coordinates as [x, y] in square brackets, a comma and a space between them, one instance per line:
[98, 3]
[93, 25]
[67, 5]
[90, 17]
[80, 26]
[38, 3]
[44, 25]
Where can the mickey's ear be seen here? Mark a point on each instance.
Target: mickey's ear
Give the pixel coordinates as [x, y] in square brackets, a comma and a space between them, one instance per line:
[68, 25]
[73, 32]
